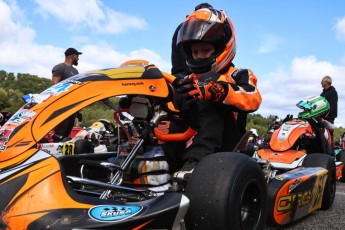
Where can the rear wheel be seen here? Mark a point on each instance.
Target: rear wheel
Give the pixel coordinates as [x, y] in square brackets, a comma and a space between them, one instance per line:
[227, 191]
[327, 162]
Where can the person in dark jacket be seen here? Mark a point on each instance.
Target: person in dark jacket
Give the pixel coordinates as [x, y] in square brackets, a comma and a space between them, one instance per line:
[61, 72]
[216, 91]
[331, 96]
[178, 61]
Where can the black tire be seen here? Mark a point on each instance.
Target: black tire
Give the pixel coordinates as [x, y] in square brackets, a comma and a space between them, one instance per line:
[341, 157]
[83, 146]
[3, 225]
[227, 191]
[327, 162]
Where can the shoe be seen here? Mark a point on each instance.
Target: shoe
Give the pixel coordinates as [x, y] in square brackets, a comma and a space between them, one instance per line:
[186, 170]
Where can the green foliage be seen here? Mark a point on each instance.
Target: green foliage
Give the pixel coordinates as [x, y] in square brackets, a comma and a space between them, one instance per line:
[95, 112]
[338, 132]
[12, 88]
[258, 122]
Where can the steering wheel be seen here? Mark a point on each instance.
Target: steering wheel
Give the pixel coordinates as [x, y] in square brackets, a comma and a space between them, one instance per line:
[108, 125]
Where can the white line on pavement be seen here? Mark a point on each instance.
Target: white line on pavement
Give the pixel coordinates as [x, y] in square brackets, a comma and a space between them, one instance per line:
[341, 193]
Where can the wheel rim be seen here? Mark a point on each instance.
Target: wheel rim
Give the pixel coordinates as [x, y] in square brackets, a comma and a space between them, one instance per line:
[251, 205]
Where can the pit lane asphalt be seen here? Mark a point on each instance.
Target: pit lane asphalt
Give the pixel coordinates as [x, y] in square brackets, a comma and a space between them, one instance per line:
[333, 218]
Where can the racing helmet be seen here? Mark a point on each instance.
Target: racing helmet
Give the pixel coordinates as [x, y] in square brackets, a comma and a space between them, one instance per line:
[313, 106]
[254, 132]
[212, 26]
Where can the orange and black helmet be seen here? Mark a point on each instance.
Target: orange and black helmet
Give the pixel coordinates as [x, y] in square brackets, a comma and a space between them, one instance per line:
[213, 26]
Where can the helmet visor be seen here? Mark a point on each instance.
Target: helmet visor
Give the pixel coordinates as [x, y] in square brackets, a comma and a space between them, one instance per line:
[197, 30]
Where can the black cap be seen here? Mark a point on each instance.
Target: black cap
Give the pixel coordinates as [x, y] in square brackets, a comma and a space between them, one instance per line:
[71, 51]
[202, 5]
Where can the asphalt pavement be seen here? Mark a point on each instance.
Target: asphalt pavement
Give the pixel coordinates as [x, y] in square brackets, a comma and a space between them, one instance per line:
[331, 219]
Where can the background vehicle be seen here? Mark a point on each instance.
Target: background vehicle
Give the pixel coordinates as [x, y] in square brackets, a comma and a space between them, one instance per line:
[101, 137]
[339, 150]
[120, 189]
[300, 165]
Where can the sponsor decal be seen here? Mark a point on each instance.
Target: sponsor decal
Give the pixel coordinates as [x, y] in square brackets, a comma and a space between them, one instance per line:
[277, 154]
[36, 98]
[4, 137]
[68, 149]
[2, 148]
[74, 82]
[132, 83]
[107, 213]
[288, 203]
[22, 116]
[295, 184]
[58, 88]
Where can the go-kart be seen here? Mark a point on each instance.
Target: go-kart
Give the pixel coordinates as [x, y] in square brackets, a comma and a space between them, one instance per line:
[299, 164]
[133, 189]
[120, 189]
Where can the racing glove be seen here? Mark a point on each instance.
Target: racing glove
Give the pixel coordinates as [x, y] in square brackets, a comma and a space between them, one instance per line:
[203, 90]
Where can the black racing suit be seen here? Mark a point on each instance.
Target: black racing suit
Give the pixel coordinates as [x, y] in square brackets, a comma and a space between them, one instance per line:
[221, 125]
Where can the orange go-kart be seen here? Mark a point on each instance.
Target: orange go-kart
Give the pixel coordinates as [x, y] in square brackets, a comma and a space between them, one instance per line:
[299, 164]
[126, 189]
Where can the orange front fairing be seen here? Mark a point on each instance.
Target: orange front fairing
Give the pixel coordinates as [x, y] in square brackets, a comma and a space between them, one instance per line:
[296, 193]
[286, 136]
[46, 196]
[41, 190]
[287, 157]
[48, 109]
[34, 188]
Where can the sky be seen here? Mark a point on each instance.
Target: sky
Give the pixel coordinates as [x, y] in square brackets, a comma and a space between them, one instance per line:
[288, 44]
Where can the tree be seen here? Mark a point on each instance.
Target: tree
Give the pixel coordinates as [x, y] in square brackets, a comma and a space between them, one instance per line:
[4, 103]
[12, 88]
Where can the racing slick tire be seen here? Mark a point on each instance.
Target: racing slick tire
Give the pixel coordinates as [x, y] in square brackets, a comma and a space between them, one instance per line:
[327, 162]
[83, 146]
[227, 191]
[341, 157]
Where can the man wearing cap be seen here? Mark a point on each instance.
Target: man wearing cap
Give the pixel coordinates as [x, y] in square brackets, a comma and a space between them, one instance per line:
[61, 72]
[65, 70]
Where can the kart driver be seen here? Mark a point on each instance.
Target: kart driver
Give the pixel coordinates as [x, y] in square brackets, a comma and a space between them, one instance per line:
[220, 94]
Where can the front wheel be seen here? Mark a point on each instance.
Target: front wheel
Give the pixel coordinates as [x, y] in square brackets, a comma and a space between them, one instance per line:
[227, 191]
[327, 162]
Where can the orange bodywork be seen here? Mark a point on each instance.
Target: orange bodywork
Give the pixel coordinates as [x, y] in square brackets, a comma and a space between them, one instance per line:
[287, 157]
[52, 111]
[41, 187]
[308, 200]
[44, 180]
[285, 137]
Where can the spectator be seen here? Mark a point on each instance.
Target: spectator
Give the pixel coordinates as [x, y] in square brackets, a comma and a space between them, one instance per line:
[61, 72]
[331, 96]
